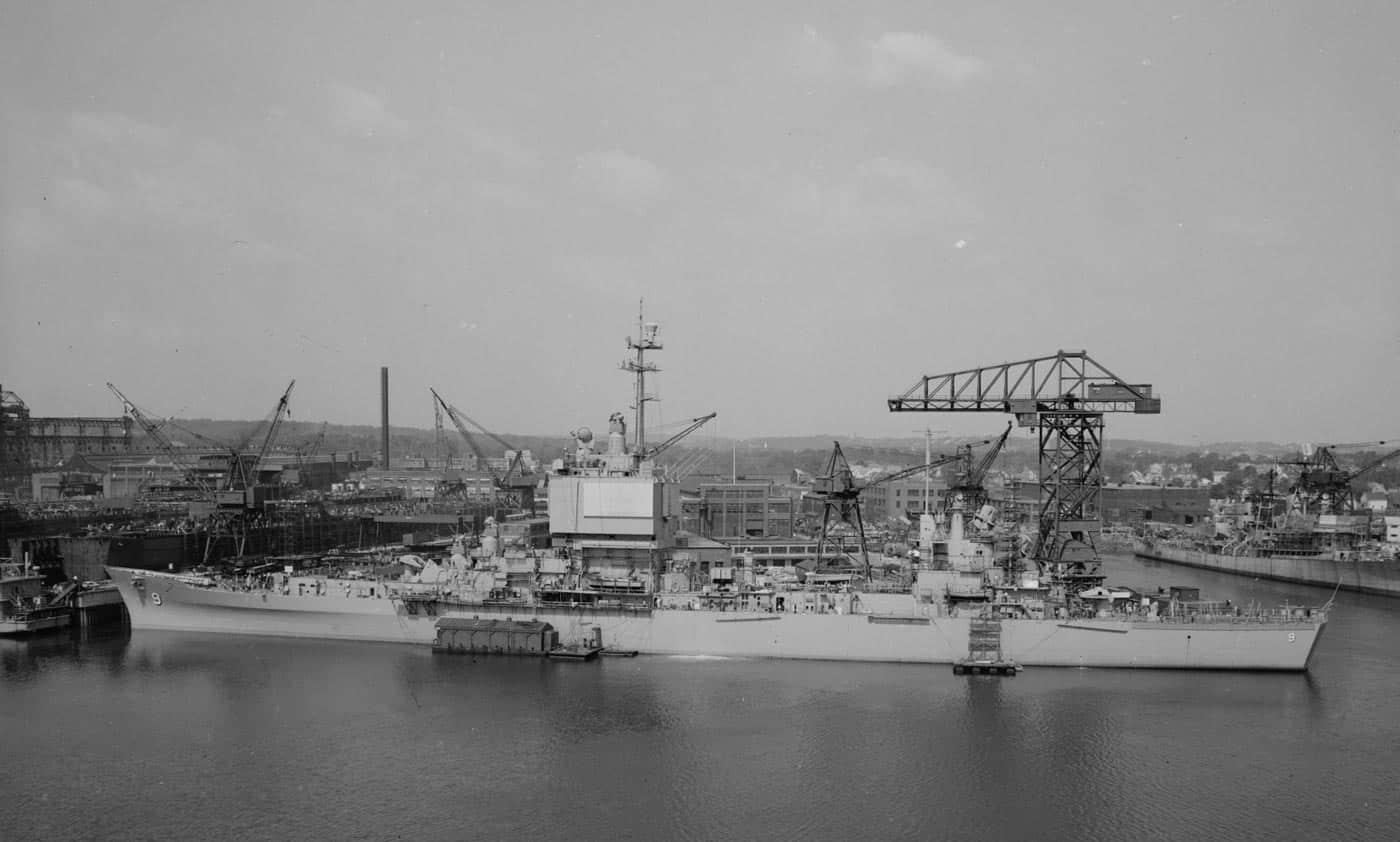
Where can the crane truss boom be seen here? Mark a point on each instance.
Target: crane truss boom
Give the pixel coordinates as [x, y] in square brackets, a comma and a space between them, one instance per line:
[1064, 396]
[1066, 380]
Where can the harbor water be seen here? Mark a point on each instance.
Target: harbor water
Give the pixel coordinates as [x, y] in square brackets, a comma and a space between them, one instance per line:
[146, 735]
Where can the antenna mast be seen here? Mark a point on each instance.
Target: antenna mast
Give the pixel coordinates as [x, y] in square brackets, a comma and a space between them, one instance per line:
[646, 341]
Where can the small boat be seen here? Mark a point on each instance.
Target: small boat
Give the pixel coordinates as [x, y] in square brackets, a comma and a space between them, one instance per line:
[24, 606]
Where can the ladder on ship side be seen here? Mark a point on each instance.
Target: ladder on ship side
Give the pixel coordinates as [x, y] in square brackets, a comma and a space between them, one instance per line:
[984, 655]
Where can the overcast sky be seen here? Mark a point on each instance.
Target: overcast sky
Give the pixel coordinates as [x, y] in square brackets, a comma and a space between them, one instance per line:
[819, 202]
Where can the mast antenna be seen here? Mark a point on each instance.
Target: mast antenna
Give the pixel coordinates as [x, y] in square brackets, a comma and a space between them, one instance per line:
[646, 341]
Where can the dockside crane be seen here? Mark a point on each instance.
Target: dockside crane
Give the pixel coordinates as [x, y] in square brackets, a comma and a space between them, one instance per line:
[516, 485]
[1064, 397]
[969, 487]
[156, 433]
[311, 447]
[650, 453]
[839, 491]
[243, 497]
[1324, 486]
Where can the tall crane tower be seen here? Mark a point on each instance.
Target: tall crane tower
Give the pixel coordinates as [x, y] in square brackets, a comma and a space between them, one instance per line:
[1064, 397]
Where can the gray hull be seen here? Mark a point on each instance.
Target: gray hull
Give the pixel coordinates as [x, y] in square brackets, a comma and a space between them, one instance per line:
[1373, 577]
[892, 630]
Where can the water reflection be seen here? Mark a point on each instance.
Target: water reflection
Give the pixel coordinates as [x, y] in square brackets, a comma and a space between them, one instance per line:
[263, 737]
[24, 658]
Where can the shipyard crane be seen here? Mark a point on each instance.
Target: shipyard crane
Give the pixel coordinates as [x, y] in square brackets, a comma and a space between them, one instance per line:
[155, 432]
[313, 446]
[645, 453]
[236, 503]
[839, 492]
[308, 449]
[516, 484]
[279, 413]
[243, 466]
[1064, 397]
[970, 483]
[445, 450]
[1324, 485]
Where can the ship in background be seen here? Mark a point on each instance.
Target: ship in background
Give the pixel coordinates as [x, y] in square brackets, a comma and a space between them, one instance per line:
[617, 576]
[1317, 534]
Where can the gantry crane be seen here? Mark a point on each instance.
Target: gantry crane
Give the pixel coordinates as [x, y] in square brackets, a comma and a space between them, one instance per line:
[1324, 486]
[839, 492]
[515, 486]
[1064, 397]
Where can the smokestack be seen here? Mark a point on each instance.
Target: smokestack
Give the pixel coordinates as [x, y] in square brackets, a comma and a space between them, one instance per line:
[384, 412]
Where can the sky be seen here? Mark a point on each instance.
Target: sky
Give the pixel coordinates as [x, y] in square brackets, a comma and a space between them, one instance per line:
[818, 202]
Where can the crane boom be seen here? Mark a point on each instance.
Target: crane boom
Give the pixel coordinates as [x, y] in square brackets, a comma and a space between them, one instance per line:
[695, 424]
[281, 411]
[156, 433]
[1062, 381]
[977, 473]
[465, 433]
[515, 481]
[1374, 463]
[901, 474]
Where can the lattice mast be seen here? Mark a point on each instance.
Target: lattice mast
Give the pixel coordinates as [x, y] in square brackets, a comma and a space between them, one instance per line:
[640, 368]
[1064, 398]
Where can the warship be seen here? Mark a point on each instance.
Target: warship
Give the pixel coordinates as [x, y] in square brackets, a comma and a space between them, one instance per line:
[616, 578]
[1326, 551]
[1317, 534]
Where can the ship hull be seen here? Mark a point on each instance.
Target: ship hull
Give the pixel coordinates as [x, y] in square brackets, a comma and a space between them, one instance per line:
[892, 631]
[1363, 576]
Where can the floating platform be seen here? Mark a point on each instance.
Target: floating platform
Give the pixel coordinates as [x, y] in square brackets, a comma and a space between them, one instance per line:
[619, 653]
[979, 667]
[574, 653]
[477, 636]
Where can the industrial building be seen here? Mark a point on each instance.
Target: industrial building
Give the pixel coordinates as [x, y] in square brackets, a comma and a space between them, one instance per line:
[1132, 504]
[903, 498]
[29, 444]
[739, 509]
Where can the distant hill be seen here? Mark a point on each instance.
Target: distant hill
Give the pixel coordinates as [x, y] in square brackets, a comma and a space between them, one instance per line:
[754, 456]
